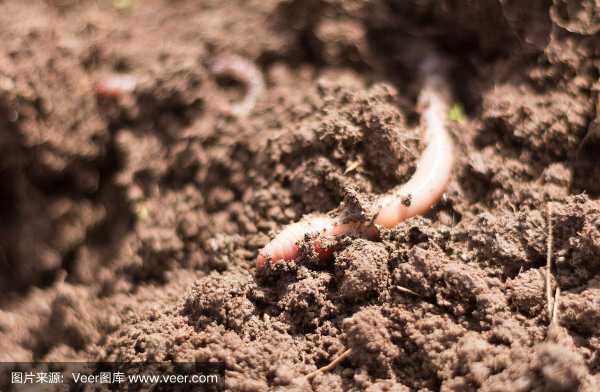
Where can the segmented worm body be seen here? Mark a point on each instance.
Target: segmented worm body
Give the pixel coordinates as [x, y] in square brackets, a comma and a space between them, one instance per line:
[116, 85]
[417, 196]
[238, 68]
[284, 246]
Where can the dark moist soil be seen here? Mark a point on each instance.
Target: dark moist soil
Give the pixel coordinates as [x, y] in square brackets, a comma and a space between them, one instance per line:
[130, 226]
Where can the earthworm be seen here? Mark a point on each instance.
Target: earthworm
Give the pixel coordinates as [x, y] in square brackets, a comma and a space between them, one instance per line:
[116, 85]
[417, 196]
[247, 73]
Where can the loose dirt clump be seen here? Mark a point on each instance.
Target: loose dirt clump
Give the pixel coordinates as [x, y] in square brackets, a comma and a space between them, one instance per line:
[369, 338]
[362, 270]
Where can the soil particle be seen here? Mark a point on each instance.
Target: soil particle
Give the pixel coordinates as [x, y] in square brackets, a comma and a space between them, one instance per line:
[139, 175]
[420, 271]
[306, 302]
[222, 299]
[70, 323]
[19, 325]
[539, 121]
[511, 240]
[427, 341]
[54, 143]
[472, 364]
[549, 367]
[465, 290]
[387, 386]
[576, 240]
[526, 292]
[580, 310]
[61, 141]
[165, 237]
[368, 337]
[362, 271]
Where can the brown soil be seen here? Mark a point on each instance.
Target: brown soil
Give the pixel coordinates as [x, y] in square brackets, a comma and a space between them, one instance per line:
[131, 225]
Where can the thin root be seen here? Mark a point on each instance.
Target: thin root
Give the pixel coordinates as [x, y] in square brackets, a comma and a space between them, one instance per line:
[331, 365]
[549, 250]
[554, 320]
[353, 165]
[405, 290]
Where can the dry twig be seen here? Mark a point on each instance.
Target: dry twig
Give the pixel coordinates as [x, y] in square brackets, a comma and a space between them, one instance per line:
[331, 365]
[405, 290]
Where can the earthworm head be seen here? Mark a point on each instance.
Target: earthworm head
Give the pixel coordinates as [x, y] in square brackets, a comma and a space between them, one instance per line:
[316, 244]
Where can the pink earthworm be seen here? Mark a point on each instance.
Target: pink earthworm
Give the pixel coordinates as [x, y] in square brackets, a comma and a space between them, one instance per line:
[417, 196]
[116, 85]
[246, 72]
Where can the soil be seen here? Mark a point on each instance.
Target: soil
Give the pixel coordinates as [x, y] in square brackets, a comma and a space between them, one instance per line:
[131, 224]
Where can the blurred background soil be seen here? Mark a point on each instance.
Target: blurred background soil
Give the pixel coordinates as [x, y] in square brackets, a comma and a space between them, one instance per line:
[130, 225]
